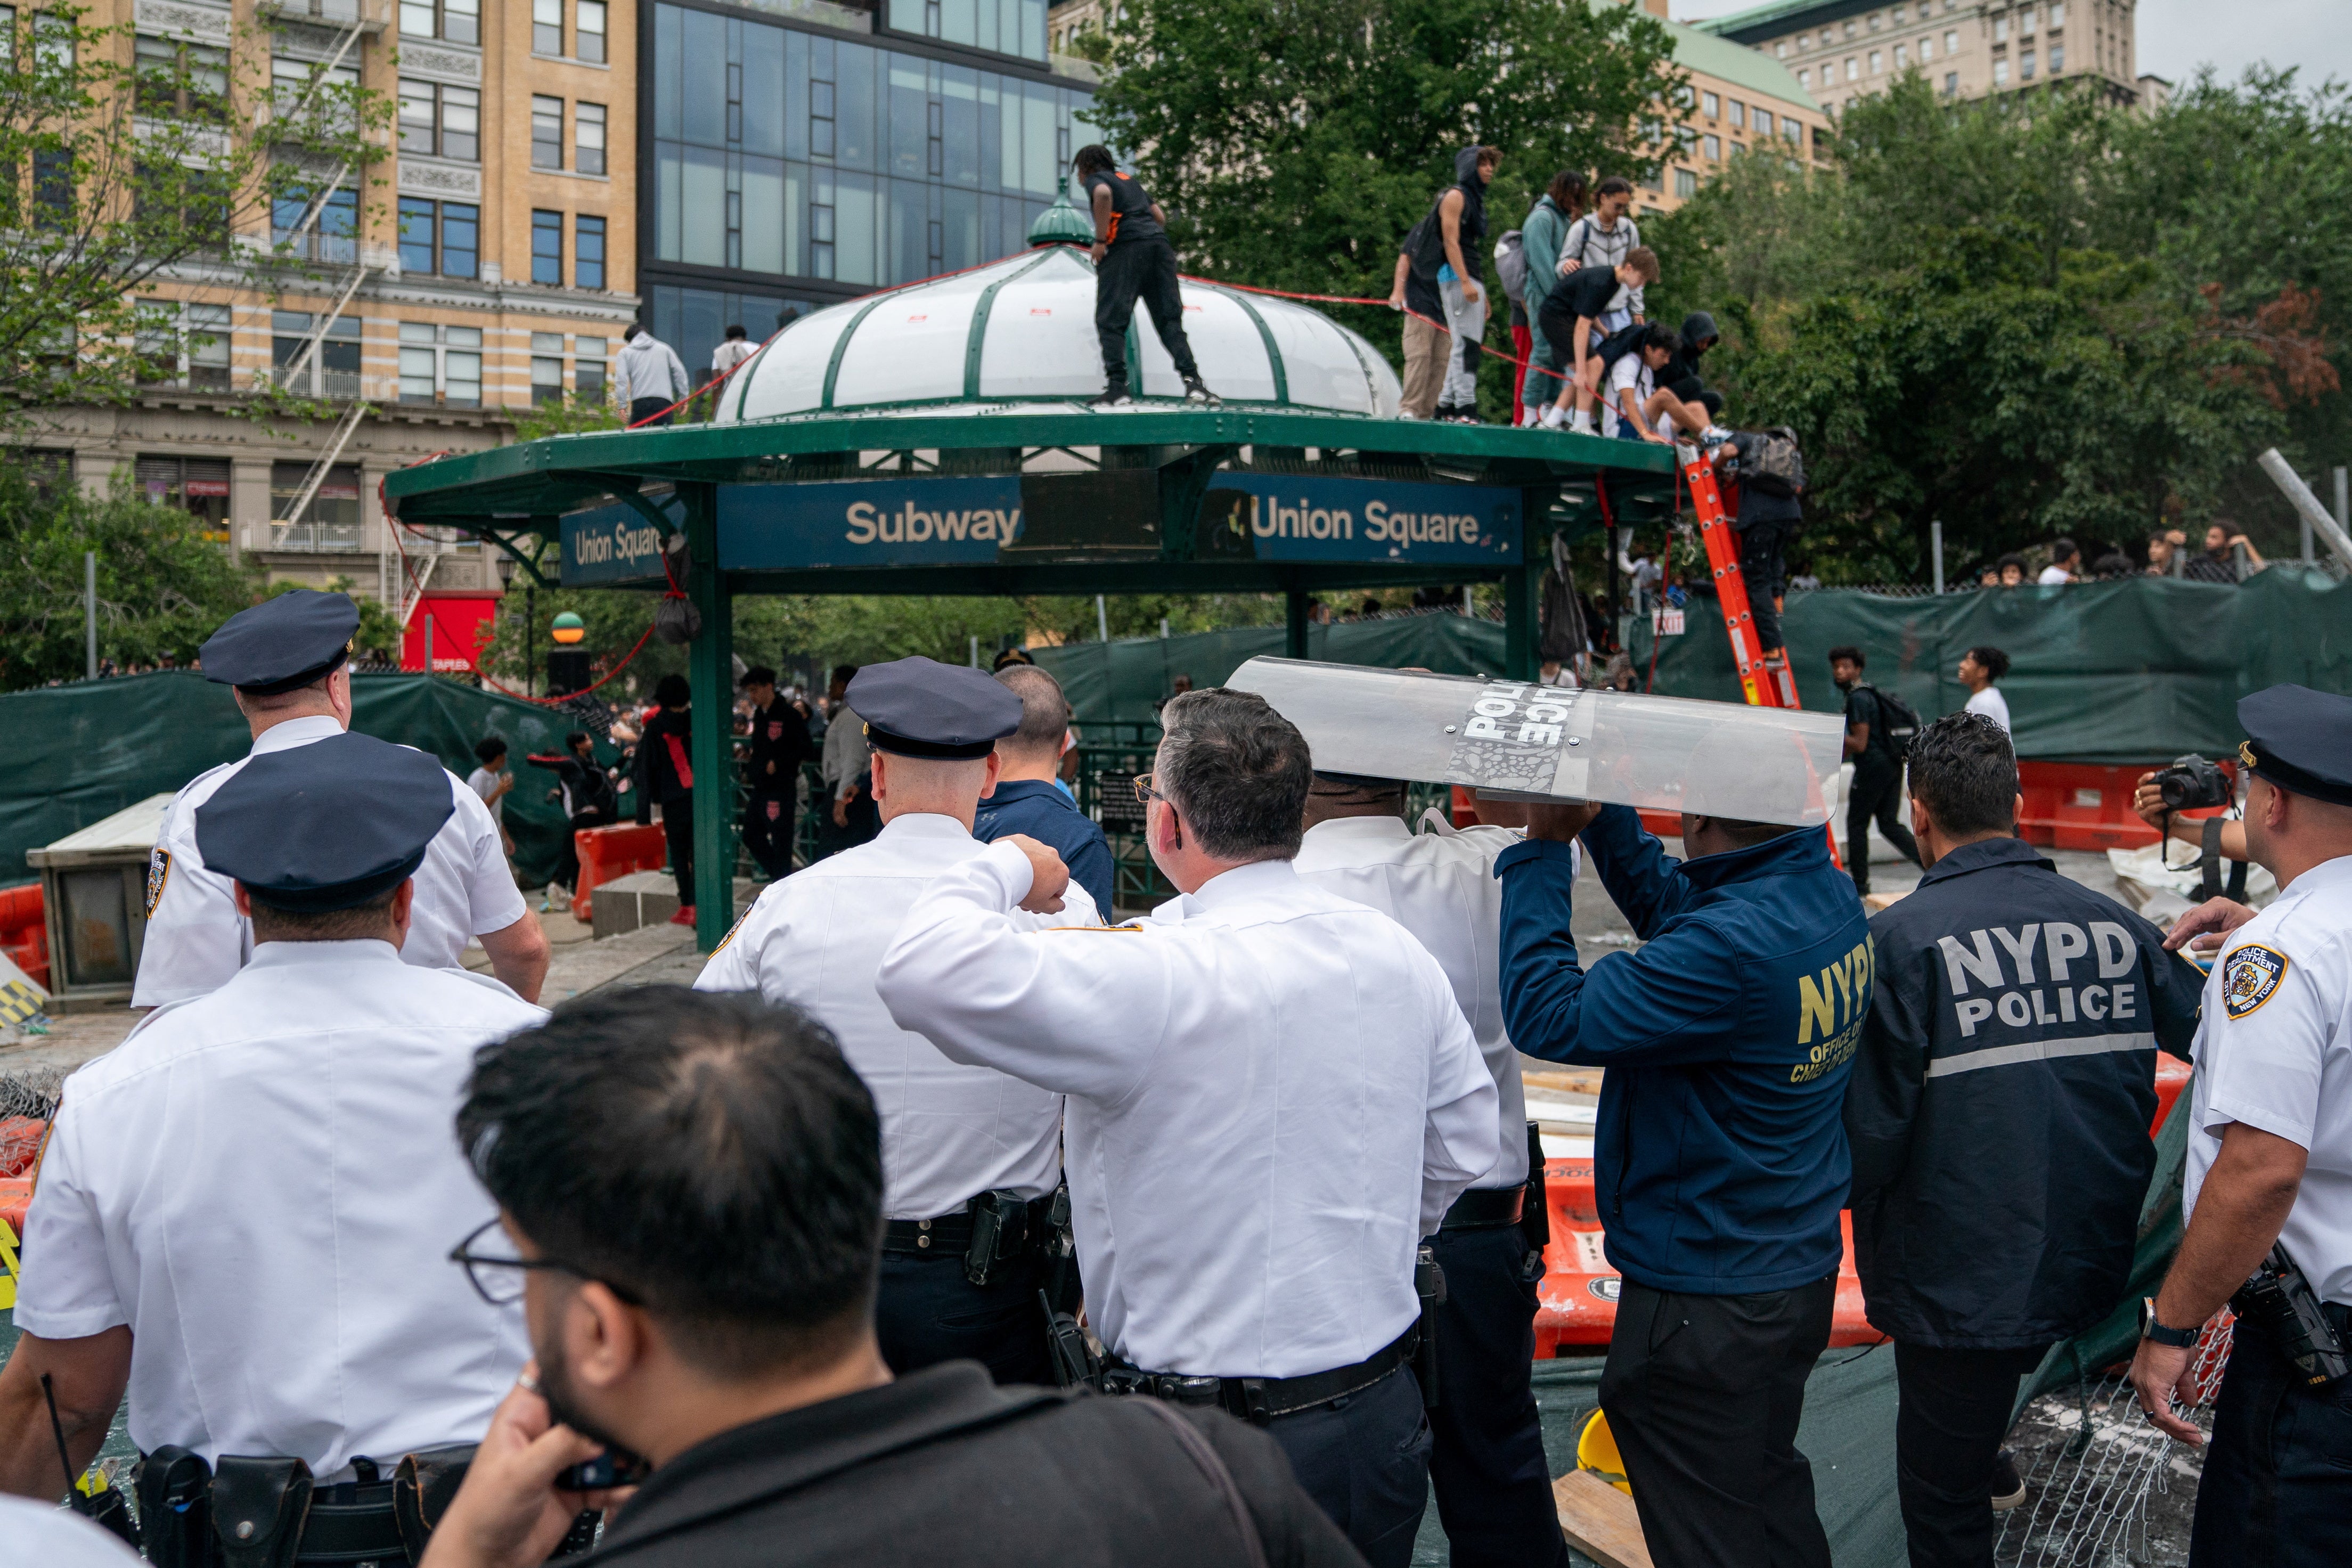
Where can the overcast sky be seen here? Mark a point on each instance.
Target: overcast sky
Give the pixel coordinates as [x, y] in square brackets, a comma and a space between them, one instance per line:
[2178, 36]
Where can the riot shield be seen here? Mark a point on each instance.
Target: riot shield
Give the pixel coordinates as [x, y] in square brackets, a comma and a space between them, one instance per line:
[1516, 738]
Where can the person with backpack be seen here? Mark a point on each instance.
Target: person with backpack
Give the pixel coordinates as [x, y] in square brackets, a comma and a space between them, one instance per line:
[1436, 277]
[1541, 238]
[1770, 472]
[1879, 729]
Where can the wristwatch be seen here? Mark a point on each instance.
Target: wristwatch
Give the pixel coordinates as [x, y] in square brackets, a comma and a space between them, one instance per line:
[2150, 1329]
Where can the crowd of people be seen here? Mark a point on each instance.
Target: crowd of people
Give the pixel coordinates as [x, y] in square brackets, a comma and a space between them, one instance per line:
[946, 1217]
[2228, 556]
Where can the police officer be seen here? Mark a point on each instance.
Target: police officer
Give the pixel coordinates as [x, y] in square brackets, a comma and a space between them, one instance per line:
[1720, 1164]
[779, 744]
[1998, 1118]
[1272, 1096]
[1487, 1463]
[242, 1211]
[971, 1157]
[287, 659]
[2269, 1183]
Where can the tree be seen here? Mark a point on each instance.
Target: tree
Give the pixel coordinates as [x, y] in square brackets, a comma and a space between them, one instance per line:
[161, 588]
[127, 163]
[2009, 315]
[1294, 143]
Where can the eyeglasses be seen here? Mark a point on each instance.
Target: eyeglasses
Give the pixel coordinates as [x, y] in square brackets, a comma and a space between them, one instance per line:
[497, 1278]
[1144, 793]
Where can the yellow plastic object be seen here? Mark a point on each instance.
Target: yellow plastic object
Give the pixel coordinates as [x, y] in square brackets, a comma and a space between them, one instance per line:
[9, 1265]
[1596, 1451]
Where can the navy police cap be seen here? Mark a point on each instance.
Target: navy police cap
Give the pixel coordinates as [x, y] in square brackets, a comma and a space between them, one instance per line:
[920, 708]
[327, 826]
[2299, 740]
[281, 643]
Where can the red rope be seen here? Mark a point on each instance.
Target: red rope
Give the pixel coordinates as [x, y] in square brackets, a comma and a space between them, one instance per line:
[1384, 304]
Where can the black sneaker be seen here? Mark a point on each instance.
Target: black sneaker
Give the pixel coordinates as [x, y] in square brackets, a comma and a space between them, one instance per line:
[2008, 1487]
[1113, 397]
[1195, 392]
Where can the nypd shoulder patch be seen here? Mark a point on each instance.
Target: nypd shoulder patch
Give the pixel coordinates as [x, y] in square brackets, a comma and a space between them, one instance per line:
[2252, 974]
[159, 876]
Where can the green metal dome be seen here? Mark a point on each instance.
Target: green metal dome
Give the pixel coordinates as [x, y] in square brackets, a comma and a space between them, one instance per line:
[1061, 224]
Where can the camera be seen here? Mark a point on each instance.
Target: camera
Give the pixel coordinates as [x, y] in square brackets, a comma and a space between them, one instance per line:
[2192, 784]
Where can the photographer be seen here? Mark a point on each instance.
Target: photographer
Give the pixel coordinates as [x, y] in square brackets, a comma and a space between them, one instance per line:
[2269, 1185]
[2193, 783]
[691, 1191]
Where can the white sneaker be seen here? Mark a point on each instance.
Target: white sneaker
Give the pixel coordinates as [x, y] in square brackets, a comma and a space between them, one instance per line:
[1553, 418]
[1583, 424]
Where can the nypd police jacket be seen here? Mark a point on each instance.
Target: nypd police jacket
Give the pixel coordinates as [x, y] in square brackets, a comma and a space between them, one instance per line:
[1719, 1163]
[1999, 1104]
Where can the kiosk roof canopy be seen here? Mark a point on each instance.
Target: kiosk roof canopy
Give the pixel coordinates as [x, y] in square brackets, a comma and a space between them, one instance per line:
[1022, 331]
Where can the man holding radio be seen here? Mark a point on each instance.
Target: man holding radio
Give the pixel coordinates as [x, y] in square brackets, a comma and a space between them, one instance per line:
[2269, 1187]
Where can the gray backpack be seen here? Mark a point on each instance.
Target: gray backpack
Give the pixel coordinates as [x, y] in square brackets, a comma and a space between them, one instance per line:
[1773, 465]
[1511, 261]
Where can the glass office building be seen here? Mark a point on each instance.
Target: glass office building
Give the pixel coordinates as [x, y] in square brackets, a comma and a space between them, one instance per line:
[793, 164]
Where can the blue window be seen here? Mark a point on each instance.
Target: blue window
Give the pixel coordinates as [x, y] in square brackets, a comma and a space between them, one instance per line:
[416, 234]
[461, 240]
[588, 252]
[547, 249]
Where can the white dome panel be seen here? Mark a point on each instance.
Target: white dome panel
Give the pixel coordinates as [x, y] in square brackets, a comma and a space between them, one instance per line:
[1034, 317]
[928, 330]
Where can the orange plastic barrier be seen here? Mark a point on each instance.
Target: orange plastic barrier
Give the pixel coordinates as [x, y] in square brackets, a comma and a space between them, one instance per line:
[2088, 805]
[25, 932]
[16, 1197]
[1577, 1298]
[606, 853]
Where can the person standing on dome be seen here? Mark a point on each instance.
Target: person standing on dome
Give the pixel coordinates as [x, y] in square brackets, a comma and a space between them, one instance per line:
[1133, 259]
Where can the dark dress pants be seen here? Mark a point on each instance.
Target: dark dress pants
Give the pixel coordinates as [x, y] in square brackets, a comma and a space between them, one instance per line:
[1487, 1461]
[1763, 570]
[768, 821]
[927, 1312]
[1145, 270]
[1877, 791]
[1365, 1461]
[677, 832]
[1703, 1395]
[2277, 1487]
[1953, 1413]
[643, 409]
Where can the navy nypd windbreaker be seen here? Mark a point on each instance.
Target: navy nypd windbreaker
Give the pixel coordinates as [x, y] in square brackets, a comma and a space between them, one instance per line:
[1719, 1160]
[1999, 1108]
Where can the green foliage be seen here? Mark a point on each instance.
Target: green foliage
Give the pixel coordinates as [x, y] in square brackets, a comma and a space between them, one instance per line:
[119, 162]
[2034, 316]
[161, 588]
[1294, 145]
[567, 416]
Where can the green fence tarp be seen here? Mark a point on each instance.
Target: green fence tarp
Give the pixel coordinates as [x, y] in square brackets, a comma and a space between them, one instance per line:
[2132, 671]
[86, 751]
[1118, 682]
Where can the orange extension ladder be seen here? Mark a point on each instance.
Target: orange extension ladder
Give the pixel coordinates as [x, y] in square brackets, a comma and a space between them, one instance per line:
[1766, 684]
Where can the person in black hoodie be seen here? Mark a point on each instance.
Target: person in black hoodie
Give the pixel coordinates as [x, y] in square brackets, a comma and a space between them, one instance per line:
[1133, 259]
[1436, 274]
[666, 779]
[1681, 375]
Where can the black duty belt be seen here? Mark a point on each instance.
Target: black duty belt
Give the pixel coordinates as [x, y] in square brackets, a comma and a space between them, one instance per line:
[351, 1522]
[1261, 1399]
[950, 1234]
[1486, 1208]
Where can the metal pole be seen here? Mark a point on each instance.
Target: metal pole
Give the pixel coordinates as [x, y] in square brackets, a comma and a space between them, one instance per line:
[975, 650]
[710, 666]
[1467, 609]
[2343, 511]
[1936, 534]
[1163, 620]
[1102, 619]
[428, 642]
[1294, 624]
[530, 639]
[90, 610]
[2339, 538]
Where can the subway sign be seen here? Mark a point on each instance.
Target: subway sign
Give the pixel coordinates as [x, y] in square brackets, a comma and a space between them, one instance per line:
[946, 522]
[1404, 522]
[609, 546]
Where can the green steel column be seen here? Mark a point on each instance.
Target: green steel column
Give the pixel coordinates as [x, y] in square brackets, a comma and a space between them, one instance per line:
[1520, 624]
[710, 666]
[1294, 624]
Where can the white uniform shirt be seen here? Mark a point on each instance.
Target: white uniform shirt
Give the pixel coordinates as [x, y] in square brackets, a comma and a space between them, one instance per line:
[196, 940]
[265, 1183]
[949, 1131]
[1992, 705]
[1441, 887]
[2274, 1051]
[1273, 1097]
